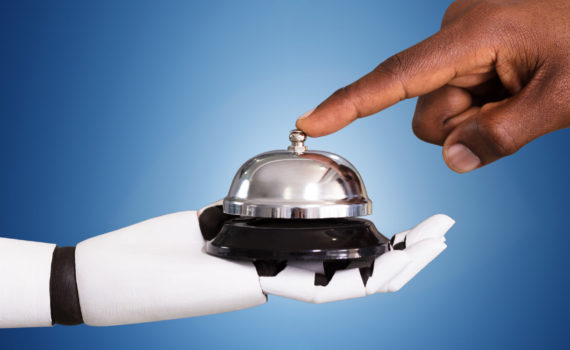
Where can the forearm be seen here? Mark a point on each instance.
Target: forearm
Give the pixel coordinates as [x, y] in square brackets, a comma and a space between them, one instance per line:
[157, 270]
[151, 271]
[25, 270]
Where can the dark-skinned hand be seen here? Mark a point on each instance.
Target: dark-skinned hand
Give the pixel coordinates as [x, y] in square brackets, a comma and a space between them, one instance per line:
[495, 77]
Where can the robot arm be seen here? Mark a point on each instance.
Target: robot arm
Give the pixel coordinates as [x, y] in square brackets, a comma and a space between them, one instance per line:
[25, 269]
[158, 270]
[154, 270]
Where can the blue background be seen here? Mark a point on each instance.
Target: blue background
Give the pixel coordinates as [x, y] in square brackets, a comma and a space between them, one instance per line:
[112, 113]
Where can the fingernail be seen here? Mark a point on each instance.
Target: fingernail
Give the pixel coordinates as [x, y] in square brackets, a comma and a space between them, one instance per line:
[461, 159]
[306, 114]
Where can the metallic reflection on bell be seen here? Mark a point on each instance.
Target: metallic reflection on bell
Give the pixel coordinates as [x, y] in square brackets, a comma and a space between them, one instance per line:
[297, 184]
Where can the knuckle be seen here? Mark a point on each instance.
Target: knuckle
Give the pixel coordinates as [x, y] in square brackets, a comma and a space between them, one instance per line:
[489, 10]
[498, 22]
[455, 11]
[426, 131]
[341, 93]
[392, 67]
[393, 70]
[497, 135]
[482, 17]
[425, 125]
[421, 129]
[349, 98]
[490, 18]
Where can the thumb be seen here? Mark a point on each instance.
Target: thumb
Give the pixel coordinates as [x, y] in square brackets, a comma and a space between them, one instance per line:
[501, 128]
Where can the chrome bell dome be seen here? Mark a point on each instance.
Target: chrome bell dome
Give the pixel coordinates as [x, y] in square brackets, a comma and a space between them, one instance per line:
[297, 184]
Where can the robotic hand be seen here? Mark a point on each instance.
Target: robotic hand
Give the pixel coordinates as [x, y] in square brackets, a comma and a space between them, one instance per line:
[158, 270]
[412, 250]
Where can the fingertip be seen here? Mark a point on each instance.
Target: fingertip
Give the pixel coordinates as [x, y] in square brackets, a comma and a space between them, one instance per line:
[443, 220]
[434, 227]
[307, 123]
[299, 124]
[306, 114]
[308, 127]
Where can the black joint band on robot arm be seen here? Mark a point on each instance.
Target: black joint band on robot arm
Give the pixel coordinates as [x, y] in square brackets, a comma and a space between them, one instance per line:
[64, 298]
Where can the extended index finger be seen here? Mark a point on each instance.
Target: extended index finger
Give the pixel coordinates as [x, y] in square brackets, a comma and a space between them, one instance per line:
[418, 70]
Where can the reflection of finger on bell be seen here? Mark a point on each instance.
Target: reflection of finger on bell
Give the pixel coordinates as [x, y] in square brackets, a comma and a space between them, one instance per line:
[298, 204]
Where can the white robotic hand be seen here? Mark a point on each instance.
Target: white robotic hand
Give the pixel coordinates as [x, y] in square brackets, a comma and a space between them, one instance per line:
[412, 250]
[318, 282]
[158, 270]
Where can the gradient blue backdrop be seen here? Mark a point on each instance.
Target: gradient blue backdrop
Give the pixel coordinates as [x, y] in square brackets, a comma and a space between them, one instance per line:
[112, 113]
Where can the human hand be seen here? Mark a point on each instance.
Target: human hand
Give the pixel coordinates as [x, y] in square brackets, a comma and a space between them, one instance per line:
[495, 77]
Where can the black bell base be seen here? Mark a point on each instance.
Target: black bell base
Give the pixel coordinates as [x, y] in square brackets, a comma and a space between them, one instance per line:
[329, 240]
